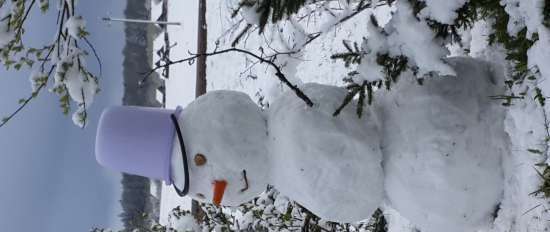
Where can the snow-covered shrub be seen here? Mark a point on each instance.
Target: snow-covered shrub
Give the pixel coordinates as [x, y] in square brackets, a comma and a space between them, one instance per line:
[420, 33]
[271, 211]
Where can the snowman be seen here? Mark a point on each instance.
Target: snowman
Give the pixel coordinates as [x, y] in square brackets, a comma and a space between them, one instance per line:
[443, 143]
[433, 151]
[224, 150]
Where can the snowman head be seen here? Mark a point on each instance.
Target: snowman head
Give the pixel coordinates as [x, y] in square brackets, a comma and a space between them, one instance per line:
[219, 155]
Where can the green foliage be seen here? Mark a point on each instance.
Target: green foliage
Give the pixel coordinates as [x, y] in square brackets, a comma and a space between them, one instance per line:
[535, 151]
[352, 55]
[378, 222]
[507, 99]
[272, 10]
[363, 90]
[544, 187]
[44, 5]
[64, 99]
[539, 97]
[393, 67]
[82, 32]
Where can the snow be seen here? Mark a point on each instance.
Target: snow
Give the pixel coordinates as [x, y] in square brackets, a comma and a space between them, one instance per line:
[37, 79]
[330, 165]
[70, 76]
[479, 39]
[414, 39]
[442, 11]
[250, 14]
[82, 89]
[231, 132]
[69, 73]
[75, 25]
[443, 144]
[539, 55]
[369, 69]
[524, 13]
[336, 16]
[6, 34]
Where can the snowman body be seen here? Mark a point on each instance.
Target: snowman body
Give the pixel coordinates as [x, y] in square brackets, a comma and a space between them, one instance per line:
[330, 165]
[442, 144]
[229, 131]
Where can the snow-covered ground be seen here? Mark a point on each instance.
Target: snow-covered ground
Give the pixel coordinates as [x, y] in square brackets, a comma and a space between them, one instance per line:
[518, 211]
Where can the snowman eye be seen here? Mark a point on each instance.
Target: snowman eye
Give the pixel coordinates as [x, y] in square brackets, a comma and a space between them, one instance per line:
[199, 159]
[200, 195]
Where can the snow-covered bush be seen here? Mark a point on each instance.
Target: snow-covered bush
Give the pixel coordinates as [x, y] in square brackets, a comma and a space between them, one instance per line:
[271, 211]
[60, 64]
[417, 35]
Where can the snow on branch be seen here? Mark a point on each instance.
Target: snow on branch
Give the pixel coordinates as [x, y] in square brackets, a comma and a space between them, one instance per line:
[63, 57]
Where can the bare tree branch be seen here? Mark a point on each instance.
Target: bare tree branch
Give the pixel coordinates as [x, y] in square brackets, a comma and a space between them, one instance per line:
[95, 54]
[278, 72]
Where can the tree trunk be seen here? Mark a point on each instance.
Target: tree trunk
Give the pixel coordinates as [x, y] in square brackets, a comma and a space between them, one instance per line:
[200, 87]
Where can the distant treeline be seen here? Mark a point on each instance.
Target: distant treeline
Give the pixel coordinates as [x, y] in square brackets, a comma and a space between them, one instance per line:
[139, 207]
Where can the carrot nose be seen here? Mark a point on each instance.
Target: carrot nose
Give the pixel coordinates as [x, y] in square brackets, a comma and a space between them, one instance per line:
[219, 189]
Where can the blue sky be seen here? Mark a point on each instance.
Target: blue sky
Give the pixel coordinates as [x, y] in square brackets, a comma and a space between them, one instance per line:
[51, 181]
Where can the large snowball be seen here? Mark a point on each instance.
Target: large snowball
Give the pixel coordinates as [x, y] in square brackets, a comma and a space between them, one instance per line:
[442, 146]
[230, 131]
[330, 165]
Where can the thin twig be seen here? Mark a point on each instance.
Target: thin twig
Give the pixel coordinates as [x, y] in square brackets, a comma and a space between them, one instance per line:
[95, 54]
[241, 34]
[314, 36]
[85, 113]
[20, 28]
[24, 103]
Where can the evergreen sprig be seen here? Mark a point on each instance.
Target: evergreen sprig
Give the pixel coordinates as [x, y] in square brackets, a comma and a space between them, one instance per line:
[272, 10]
[393, 67]
[362, 91]
[352, 55]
